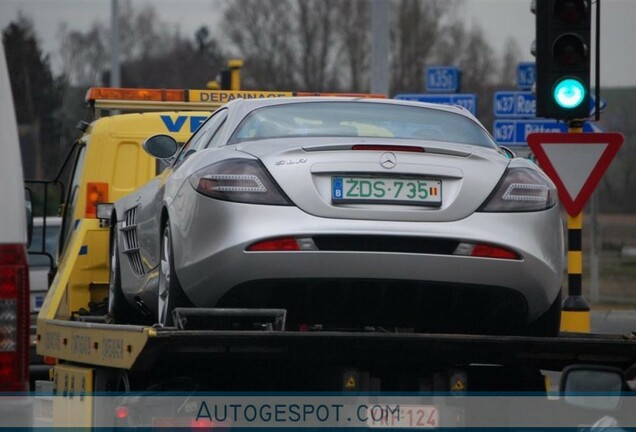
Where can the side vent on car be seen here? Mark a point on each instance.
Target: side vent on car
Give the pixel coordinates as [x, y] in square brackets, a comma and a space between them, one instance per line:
[131, 245]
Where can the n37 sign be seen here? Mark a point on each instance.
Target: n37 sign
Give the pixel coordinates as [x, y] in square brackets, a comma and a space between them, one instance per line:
[514, 104]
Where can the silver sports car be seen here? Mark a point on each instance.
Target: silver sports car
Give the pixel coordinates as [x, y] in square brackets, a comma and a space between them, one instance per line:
[348, 213]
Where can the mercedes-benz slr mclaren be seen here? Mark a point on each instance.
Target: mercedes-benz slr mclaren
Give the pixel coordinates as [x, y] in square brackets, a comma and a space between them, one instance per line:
[348, 213]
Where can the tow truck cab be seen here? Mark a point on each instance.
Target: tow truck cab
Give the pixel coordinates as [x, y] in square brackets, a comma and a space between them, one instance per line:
[108, 162]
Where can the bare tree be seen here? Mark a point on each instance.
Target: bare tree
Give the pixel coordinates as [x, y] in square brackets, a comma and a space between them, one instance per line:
[353, 33]
[84, 55]
[316, 20]
[261, 31]
[142, 34]
[186, 64]
[415, 32]
[509, 62]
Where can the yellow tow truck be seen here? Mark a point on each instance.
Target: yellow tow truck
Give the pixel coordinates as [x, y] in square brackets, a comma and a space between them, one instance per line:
[88, 355]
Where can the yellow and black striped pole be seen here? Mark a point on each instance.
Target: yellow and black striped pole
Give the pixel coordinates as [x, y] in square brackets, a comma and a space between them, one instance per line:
[575, 313]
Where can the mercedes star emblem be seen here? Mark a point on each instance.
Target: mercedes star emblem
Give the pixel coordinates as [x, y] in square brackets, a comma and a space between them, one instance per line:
[388, 160]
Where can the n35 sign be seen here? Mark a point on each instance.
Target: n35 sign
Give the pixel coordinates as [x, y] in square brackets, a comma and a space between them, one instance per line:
[442, 79]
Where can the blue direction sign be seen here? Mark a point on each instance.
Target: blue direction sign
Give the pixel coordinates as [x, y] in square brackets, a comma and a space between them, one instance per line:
[523, 104]
[466, 100]
[526, 75]
[593, 105]
[514, 104]
[515, 132]
[442, 79]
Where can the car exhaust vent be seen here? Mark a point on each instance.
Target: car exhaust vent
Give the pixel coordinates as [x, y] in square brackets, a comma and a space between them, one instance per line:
[398, 244]
[131, 244]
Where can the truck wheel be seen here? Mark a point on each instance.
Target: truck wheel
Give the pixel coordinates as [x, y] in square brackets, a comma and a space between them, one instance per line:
[171, 295]
[119, 310]
[548, 324]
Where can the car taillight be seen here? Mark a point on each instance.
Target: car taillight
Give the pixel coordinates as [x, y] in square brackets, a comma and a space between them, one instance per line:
[283, 244]
[522, 190]
[485, 251]
[14, 318]
[374, 147]
[239, 180]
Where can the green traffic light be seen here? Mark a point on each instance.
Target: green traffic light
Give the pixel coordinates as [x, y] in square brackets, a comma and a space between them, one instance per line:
[569, 93]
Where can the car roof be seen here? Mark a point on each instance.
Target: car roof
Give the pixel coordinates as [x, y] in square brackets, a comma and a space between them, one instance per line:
[251, 104]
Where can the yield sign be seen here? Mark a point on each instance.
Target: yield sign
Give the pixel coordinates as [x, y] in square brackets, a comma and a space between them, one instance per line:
[575, 162]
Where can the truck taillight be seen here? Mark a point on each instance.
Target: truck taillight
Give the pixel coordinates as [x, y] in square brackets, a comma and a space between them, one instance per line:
[14, 318]
[95, 193]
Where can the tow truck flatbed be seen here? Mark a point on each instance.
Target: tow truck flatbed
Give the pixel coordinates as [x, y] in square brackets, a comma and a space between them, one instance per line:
[343, 347]
[139, 347]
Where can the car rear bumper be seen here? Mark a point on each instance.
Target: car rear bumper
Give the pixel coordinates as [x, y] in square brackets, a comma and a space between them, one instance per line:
[210, 239]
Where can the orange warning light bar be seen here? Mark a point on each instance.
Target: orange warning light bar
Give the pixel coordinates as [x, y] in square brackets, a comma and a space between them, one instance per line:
[181, 95]
[152, 95]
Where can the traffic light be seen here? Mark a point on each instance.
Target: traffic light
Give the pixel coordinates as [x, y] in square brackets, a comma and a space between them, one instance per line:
[563, 58]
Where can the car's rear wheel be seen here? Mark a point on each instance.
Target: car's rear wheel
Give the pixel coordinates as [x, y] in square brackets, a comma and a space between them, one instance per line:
[119, 310]
[171, 295]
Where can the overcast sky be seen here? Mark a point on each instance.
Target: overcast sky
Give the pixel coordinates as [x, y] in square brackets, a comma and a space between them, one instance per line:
[499, 19]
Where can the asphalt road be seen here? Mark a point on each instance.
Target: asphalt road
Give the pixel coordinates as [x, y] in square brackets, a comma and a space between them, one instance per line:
[613, 321]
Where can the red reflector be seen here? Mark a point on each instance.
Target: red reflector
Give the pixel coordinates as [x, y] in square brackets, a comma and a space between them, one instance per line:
[121, 412]
[50, 361]
[388, 148]
[202, 423]
[283, 244]
[486, 251]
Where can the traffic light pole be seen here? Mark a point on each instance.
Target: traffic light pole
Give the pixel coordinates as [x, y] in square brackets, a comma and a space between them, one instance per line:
[575, 313]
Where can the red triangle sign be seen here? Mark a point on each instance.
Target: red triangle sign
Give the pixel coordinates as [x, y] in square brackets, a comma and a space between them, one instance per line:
[575, 162]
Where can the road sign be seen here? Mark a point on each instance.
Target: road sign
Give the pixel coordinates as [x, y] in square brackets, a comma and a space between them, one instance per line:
[575, 162]
[515, 132]
[514, 104]
[526, 75]
[442, 79]
[466, 100]
[523, 104]
[593, 105]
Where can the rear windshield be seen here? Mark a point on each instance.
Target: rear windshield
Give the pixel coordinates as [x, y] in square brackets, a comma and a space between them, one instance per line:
[359, 119]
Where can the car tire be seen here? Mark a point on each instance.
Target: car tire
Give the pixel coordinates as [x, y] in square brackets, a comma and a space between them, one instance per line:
[119, 310]
[548, 324]
[170, 294]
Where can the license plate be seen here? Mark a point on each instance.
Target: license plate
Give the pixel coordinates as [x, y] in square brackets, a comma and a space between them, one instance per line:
[410, 191]
[404, 416]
